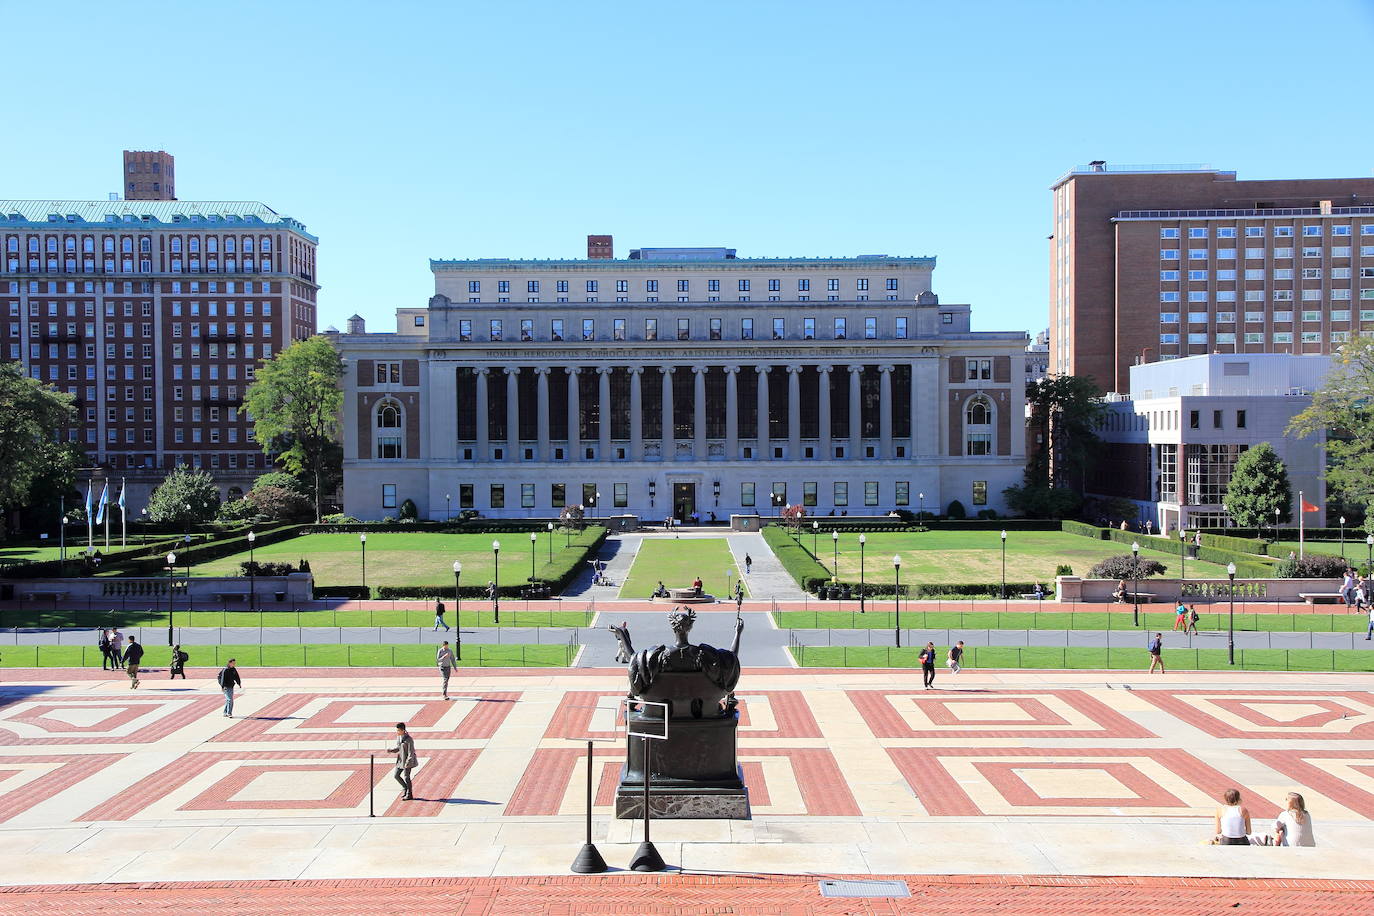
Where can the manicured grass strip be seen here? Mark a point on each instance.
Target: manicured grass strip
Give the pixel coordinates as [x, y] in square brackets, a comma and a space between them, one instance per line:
[296, 656]
[145, 616]
[1089, 620]
[677, 562]
[1089, 658]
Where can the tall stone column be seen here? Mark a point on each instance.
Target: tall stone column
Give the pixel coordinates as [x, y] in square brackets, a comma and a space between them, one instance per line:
[636, 413]
[542, 405]
[483, 409]
[513, 412]
[794, 412]
[856, 426]
[669, 445]
[574, 415]
[885, 411]
[731, 413]
[439, 434]
[762, 452]
[699, 413]
[826, 452]
[603, 425]
[925, 406]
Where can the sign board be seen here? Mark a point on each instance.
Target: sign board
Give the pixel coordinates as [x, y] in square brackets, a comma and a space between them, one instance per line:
[653, 728]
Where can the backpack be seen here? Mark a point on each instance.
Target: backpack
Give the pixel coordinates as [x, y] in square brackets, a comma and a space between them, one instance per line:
[1195, 618]
[182, 658]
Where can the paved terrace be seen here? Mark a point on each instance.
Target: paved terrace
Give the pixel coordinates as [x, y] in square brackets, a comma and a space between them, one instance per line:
[850, 773]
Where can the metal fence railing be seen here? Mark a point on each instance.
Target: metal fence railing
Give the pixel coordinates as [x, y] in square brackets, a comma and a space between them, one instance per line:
[154, 634]
[302, 656]
[1073, 639]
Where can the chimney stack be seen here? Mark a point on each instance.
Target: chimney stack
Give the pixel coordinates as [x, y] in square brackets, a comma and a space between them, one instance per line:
[600, 247]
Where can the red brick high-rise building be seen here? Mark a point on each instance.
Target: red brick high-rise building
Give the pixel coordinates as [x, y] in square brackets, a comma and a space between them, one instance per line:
[149, 175]
[154, 314]
[1158, 263]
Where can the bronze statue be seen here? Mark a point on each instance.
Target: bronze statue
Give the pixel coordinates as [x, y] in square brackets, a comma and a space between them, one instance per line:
[720, 666]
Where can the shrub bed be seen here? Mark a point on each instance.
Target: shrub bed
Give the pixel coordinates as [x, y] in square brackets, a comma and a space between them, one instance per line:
[798, 562]
[1084, 529]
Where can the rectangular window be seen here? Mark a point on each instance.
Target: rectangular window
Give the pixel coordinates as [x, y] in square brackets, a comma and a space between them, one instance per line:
[899, 331]
[527, 329]
[870, 329]
[779, 328]
[1168, 276]
[902, 493]
[870, 493]
[556, 329]
[713, 286]
[589, 329]
[746, 329]
[558, 495]
[1168, 233]
[779, 493]
[809, 493]
[803, 286]
[744, 286]
[841, 493]
[388, 496]
[715, 329]
[1197, 232]
[684, 329]
[1240, 419]
[839, 329]
[498, 496]
[684, 286]
[746, 494]
[651, 329]
[617, 329]
[650, 286]
[622, 286]
[1168, 254]
[495, 330]
[527, 496]
[980, 492]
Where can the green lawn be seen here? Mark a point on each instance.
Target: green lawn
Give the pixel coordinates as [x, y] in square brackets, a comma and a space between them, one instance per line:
[327, 655]
[1212, 620]
[935, 557]
[677, 562]
[52, 550]
[512, 615]
[1355, 549]
[400, 558]
[1126, 659]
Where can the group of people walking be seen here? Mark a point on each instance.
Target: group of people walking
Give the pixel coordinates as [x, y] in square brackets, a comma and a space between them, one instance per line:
[116, 655]
[954, 661]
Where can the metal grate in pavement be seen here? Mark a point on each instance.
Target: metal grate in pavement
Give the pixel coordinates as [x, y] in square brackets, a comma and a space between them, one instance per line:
[842, 888]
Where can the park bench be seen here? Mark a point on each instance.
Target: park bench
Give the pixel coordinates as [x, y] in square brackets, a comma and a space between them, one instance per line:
[48, 594]
[230, 596]
[1142, 597]
[1319, 597]
[1032, 596]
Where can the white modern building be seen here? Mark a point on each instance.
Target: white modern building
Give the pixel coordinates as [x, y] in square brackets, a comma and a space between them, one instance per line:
[681, 381]
[1173, 441]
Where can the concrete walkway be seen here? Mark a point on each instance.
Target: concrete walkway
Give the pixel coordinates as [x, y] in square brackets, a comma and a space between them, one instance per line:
[767, 578]
[618, 551]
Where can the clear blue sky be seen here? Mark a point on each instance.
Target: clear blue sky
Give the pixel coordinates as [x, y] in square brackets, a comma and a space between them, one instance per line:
[403, 131]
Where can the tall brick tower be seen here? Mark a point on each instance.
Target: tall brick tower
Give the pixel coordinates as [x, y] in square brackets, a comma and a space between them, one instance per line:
[149, 175]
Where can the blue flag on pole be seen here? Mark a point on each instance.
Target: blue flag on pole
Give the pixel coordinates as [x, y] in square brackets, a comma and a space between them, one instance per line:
[104, 501]
[121, 496]
[90, 485]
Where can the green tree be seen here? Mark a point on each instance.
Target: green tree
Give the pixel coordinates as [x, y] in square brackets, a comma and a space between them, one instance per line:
[1343, 408]
[30, 416]
[1259, 485]
[280, 503]
[1065, 411]
[295, 404]
[185, 495]
[278, 479]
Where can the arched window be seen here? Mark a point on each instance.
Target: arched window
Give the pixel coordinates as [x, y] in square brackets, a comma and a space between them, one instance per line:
[389, 430]
[978, 427]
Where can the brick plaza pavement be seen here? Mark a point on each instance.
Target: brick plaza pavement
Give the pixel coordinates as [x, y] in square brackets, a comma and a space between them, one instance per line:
[1094, 774]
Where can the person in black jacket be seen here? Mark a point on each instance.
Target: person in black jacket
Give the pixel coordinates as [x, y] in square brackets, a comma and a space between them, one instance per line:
[229, 679]
[132, 656]
[178, 666]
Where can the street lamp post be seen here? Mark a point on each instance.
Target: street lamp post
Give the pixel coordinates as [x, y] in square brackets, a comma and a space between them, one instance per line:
[921, 497]
[863, 539]
[362, 540]
[1004, 565]
[835, 562]
[171, 571]
[457, 610]
[1182, 558]
[190, 599]
[252, 574]
[496, 581]
[1231, 618]
[448, 507]
[897, 596]
[534, 541]
[1342, 537]
[550, 542]
[597, 504]
[815, 534]
[1369, 563]
[1276, 524]
[1135, 580]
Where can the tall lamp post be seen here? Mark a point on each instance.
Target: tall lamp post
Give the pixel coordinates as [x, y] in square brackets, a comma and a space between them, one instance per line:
[1135, 579]
[1231, 618]
[362, 541]
[496, 581]
[534, 541]
[1276, 524]
[1004, 565]
[597, 504]
[1369, 564]
[550, 542]
[835, 562]
[448, 507]
[863, 539]
[252, 574]
[921, 497]
[1342, 537]
[171, 570]
[897, 596]
[457, 610]
[815, 534]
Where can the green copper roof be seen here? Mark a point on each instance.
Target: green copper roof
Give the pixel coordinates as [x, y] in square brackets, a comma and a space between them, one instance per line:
[214, 214]
[726, 264]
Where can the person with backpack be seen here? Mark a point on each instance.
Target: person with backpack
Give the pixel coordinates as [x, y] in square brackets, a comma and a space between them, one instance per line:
[748, 564]
[1157, 653]
[439, 617]
[178, 666]
[928, 665]
[1193, 619]
[228, 679]
[132, 656]
[107, 662]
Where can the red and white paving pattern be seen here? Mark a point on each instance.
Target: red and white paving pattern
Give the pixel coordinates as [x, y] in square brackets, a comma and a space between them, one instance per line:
[849, 772]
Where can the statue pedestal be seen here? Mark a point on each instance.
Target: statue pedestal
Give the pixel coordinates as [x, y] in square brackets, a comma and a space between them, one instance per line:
[695, 773]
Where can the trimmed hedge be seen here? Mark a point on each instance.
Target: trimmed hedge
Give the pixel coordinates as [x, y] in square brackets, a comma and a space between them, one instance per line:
[994, 524]
[1084, 529]
[48, 569]
[1247, 565]
[204, 553]
[1236, 544]
[457, 526]
[343, 591]
[797, 560]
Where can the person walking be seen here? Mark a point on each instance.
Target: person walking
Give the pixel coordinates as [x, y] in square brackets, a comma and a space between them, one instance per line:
[132, 656]
[1197, 544]
[1193, 619]
[178, 665]
[439, 617]
[1370, 632]
[405, 760]
[955, 661]
[107, 663]
[228, 679]
[748, 564]
[1293, 827]
[117, 646]
[1361, 592]
[1231, 821]
[1181, 617]
[1348, 587]
[444, 659]
[928, 666]
[1157, 653]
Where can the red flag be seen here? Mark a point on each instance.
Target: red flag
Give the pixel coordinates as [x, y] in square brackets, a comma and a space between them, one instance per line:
[1308, 507]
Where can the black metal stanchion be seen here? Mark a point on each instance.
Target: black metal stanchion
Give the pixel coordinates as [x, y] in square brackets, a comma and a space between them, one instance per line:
[646, 857]
[589, 859]
[371, 784]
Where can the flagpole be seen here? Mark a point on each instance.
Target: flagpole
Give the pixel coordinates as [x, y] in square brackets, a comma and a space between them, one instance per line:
[1302, 521]
[90, 519]
[123, 518]
[107, 531]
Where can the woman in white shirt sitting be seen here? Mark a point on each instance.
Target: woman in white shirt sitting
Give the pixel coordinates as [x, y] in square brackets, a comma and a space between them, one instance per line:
[1232, 821]
[1294, 825]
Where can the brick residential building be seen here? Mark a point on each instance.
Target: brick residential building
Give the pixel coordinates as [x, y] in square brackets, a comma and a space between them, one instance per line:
[1158, 263]
[154, 315]
[149, 175]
